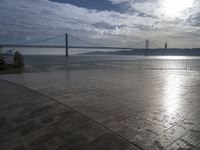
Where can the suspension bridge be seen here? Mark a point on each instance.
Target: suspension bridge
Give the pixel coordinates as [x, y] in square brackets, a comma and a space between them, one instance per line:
[88, 45]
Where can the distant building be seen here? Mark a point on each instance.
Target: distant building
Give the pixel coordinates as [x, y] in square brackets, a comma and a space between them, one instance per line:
[165, 45]
[147, 44]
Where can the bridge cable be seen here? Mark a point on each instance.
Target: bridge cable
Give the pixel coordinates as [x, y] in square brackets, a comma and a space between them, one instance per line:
[83, 40]
[39, 41]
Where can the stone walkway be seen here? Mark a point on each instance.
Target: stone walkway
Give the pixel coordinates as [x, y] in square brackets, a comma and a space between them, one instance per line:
[154, 110]
[32, 121]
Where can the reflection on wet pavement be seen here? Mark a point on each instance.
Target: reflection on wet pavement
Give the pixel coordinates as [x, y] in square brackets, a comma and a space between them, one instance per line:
[154, 109]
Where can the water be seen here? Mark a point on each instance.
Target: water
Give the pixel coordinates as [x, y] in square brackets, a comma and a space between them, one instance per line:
[59, 62]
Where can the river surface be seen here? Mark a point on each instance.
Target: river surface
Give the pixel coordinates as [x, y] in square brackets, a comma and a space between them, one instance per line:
[60, 62]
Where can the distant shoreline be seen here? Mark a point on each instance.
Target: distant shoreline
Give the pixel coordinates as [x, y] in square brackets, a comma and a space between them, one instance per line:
[150, 52]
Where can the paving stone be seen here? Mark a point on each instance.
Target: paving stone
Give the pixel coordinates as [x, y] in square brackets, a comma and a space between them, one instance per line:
[107, 142]
[190, 140]
[49, 125]
[169, 136]
[163, 97]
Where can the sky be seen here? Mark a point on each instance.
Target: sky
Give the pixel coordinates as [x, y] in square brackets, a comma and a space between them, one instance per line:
[102, 22]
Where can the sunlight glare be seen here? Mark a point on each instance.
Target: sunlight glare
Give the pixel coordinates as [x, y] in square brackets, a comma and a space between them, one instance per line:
[175, 8]
[172, 93]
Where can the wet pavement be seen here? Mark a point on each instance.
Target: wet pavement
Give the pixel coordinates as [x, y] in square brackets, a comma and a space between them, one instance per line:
[153, 109]
[32, 121]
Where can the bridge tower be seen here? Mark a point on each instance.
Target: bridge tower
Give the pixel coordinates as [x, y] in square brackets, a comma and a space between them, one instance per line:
[66, 45]
[166, 45]
[147, 44]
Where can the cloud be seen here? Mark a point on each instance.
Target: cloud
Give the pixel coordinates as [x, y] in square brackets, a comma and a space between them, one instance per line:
[119, 1]
[44, 18]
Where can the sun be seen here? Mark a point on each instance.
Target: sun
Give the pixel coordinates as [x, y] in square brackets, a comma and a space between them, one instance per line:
[175, 8]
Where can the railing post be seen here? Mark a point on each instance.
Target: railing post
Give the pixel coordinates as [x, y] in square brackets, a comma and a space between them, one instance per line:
[66, 45]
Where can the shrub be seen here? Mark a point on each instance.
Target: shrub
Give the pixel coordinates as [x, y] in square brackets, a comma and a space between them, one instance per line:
[18, 60]
[2, 62]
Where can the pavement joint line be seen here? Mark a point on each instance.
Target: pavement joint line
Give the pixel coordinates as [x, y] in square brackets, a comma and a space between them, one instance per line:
[109, 130]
